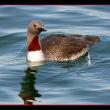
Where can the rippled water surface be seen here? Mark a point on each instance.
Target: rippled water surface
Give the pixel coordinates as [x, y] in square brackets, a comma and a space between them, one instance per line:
[54, 82]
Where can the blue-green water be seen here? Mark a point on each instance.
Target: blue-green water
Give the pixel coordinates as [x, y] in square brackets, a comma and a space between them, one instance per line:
[53, 82]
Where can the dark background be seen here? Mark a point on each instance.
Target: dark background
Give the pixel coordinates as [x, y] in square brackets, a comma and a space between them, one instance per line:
[55, 2]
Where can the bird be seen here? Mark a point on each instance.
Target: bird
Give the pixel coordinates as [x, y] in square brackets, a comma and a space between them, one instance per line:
[56, 47]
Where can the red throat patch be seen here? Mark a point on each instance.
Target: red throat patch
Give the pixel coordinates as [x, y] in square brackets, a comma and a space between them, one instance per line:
[34, 45]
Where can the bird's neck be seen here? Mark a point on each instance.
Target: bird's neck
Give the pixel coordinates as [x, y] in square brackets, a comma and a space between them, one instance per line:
[35, 53]
[34, 43]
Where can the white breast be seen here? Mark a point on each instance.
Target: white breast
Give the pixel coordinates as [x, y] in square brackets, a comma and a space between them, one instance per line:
[34, 56]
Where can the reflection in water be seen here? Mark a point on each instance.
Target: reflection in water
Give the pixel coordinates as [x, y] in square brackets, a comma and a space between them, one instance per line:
[28, 91]
[35, 64]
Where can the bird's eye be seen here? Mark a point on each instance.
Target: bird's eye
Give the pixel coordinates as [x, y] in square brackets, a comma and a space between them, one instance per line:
[34, 25]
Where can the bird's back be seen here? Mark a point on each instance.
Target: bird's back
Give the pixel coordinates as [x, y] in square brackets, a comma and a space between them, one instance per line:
[66, 47]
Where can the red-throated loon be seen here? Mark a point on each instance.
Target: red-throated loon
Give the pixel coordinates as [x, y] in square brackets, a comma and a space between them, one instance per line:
[56, 47]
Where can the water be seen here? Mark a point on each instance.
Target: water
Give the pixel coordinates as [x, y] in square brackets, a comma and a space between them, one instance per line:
[54, 83]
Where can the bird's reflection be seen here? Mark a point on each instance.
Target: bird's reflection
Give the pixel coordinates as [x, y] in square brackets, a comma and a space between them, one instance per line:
[28, 91]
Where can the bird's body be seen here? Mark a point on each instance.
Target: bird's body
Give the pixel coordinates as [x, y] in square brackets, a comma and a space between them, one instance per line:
[57, 47]
[61, 47]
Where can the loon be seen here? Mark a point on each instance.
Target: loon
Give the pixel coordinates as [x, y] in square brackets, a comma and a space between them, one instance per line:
[56, 47]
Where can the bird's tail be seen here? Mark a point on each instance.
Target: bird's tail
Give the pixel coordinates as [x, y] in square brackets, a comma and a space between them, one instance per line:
[92, 39]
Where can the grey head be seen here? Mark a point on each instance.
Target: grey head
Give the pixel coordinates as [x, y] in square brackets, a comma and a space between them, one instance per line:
[36, 27]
